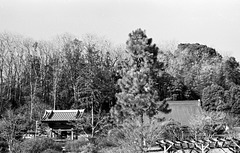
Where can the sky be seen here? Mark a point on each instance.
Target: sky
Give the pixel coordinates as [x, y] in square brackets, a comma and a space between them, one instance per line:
[215, 23]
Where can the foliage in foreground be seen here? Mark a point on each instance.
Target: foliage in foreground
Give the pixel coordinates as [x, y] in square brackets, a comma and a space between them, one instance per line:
[11, 127]
[208, 125]
[132, 136]
[89, 146]
[50, 151]
[40, 145]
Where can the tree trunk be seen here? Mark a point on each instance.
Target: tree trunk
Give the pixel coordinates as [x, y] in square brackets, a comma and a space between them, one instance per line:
[141, 134]
[10, 143]
[1, 79]
[31, 100]
[1, 90]
[92, 120]
[54, 92]
[74, 93]
[33, 87]
[10, 148]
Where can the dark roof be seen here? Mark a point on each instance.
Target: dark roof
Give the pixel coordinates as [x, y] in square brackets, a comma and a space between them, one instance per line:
[183, 111]
[62, 115]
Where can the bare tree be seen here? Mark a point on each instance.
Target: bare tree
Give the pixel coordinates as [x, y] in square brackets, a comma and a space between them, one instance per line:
[11, 126]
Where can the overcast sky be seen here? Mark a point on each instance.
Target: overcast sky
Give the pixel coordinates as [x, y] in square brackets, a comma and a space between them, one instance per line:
[215, 23]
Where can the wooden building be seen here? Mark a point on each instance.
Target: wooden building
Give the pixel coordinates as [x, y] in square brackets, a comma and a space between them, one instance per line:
[61, 122]
[183, 111]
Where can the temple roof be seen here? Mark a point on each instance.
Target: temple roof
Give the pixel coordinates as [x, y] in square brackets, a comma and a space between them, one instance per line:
[183, 111]
[62, 115]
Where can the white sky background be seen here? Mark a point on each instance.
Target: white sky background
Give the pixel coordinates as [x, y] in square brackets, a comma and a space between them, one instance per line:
[215, 23]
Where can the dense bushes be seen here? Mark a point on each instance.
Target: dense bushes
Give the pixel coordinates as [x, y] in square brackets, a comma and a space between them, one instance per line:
[104, 142]
[40, 145]
[51, 151]
[82, 145]
[90, 146]
[76, 145]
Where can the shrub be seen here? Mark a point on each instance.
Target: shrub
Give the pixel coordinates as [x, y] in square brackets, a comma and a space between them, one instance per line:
[208, 124]
[51, 151]
[82, 145]
[39, 145]
[128, 137]
[76, 145]
[103, 142]
[119, 150]
[90, 148]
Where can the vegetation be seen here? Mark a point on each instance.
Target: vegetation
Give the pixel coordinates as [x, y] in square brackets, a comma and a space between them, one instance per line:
[139, 95]
[209, 124]
[121, 90]
[11, 127]
[40, 145]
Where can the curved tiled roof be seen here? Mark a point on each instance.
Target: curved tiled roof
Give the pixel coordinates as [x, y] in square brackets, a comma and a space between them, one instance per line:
[62, 115]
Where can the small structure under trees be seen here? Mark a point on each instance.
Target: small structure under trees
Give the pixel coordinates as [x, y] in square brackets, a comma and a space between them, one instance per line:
[61, 122]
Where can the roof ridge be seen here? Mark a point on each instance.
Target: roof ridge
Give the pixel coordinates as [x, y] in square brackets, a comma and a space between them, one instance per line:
[67, 110]
[62, 115]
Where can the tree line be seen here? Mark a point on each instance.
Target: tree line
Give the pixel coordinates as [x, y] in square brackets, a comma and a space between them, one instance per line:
[111, 82]
[70, 73]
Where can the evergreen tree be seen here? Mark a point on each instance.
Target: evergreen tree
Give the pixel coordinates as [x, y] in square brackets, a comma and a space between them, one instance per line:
[139, 93]
[213, 98]
[232, 98]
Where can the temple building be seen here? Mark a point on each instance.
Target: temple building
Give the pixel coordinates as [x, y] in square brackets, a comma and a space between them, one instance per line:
[61, 123]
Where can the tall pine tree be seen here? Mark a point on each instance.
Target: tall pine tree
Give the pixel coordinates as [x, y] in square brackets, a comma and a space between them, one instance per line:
[139, 93]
